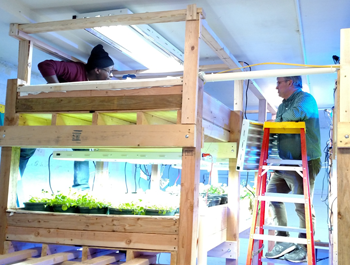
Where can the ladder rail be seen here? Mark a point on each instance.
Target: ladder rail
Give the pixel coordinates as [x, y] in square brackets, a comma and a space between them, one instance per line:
[257, 232]
[308, 215]
[263, 157]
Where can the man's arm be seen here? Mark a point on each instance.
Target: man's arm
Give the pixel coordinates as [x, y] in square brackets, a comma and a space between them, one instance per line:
[302, 109]
[51, 79]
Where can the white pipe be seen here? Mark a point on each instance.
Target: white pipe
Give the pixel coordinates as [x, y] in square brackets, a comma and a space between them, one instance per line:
[265, 74]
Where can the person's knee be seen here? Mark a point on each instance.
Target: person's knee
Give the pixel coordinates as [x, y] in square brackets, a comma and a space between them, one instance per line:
[277, 205]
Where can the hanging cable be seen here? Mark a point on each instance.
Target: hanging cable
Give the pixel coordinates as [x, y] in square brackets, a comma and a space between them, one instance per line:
[126, 183]
[93, 181]
[177, 176]
[135, 178]
[246, 91]
[48, 165]
[246, 100]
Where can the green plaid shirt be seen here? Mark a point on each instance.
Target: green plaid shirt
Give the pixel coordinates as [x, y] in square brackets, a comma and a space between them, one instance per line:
[300, 106]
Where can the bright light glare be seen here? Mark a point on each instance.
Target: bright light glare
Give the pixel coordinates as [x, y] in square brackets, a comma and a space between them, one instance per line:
[141, 50]
[306, 88]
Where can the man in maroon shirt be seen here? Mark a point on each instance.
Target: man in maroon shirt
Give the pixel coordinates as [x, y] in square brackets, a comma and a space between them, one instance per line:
[98, 67]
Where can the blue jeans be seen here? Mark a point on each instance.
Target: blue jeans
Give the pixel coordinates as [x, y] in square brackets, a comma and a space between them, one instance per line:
[81, 168]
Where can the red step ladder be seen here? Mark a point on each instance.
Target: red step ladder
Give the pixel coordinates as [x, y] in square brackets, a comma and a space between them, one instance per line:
[261, 195]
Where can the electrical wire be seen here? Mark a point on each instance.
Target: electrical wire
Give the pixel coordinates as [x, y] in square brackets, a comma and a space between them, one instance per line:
[322, 259]
[48, 165]
[246, 185]
[126, 183]
[135, 178]
[137, 166]
[246, 91]
[169, 172]
[276, 63]
[177, 176]
[246, 100]
[93, 181]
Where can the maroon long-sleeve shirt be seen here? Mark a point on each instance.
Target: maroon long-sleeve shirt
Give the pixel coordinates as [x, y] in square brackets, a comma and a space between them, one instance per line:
[65, 71]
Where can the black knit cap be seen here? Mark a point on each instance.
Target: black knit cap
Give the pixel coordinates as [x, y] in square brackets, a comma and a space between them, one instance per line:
[98, 58]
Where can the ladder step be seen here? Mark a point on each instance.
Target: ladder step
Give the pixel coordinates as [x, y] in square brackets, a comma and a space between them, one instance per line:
[294, 240]
[284, 162]
[283, 168]
[285, 228]
[281, 261]
[282, 197]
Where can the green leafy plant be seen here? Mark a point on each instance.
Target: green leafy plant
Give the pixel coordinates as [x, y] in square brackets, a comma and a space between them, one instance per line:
[162, 209]
[66, 201]
[42, 199]
[136, 207]
[216, 189]
[90, 202]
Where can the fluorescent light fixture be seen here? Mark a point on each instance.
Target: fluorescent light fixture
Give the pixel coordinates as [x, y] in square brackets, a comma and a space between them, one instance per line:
[167, 158]
[132, 157]
[266, 73]
[141, 43]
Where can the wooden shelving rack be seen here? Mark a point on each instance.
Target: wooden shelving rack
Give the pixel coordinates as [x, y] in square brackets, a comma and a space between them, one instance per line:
[167, 113]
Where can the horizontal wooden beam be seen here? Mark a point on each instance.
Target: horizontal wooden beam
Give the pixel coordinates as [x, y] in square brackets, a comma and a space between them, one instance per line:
[116, 20]
[99, 136]
[101, 85]
[158, 90]
[216, 112]
[117, 103]
[108, 223]
[20, 35]
[102, 260]
[94, 238]
[52, 259]
[19, 255]
[142, 260]
[215, 239]
[215, 131]
[210, 38]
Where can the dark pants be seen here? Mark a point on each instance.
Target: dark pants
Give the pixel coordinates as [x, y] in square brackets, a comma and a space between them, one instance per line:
[81, 168]
[291, 181]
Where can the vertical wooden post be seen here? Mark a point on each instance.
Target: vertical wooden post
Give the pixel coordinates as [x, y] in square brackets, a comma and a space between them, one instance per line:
[343, 154]
[333, 209]
[191, 68]
[234, 181]
[234, 187]
[9, 163]
[173, 258]
[25, 60]
[101, 171]
[192, 108]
